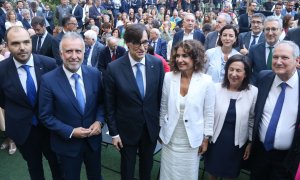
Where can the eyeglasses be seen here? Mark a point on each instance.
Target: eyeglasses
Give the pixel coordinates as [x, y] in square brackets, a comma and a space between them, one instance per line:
[138, 44]
[256, 22]
[271, 29]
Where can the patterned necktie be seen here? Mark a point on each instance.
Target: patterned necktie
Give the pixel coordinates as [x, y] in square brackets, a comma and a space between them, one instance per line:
[139, 79]
[270, 57]
[79, 92]
[31, 90]
[270, 135]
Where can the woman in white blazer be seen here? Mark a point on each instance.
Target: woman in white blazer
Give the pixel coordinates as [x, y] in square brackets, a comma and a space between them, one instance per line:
[187, 110]
[234, 118]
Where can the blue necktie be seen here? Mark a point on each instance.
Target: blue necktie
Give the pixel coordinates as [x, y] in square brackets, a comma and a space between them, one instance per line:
[31, 91]
[270, 135]
[139, 79]
[253, 41]
[86, 54]
[79, 93]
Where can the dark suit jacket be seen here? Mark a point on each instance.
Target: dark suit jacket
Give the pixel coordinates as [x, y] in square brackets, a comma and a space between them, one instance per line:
[98, 47]
[244, 23]
[55, 47]
[26, 24]
[105, 57]
[60, 111]
[293, 35]
[126, 112]
[46, 48]
[211, 40]
[198, 35]
[49, 18]
[161, 48]
[257, 57]
[245, 37]
[14, 99]
[93, 13]
[264, 83]
[78, 13]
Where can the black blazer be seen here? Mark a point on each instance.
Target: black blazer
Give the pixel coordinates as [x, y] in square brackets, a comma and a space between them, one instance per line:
[293, 35]
[257, 57]
[105, 57]
[244, 23]
[46, 48]
[126, 112]
[178, 37]
[78, 13]
[14, 99]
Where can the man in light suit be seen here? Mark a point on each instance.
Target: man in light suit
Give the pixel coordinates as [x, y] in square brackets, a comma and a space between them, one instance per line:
[159, 45]
[212, 37]
[277, 115]
[110, 53]
[260, 54]
[256, 35]
[133, 86]
[20, 76]
[71, 107]
[188, 31]
[93, 48]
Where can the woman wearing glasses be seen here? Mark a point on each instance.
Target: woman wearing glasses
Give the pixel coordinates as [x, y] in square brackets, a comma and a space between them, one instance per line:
[217, 57]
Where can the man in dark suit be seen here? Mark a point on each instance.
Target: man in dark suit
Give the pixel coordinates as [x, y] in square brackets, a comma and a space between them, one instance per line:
[212, 37]
[256, 35]
[244, 23]
[20, 76]
[260, 55]
[48, 14]
[77, 12]
[133, 86]
[18, 10]
[188, 31]
[92, 49]
[110, 53]
[26, 21]
[42, 40]
[293, 35]
[71, 107]
[95, 12]
[159, 45]
[277, 115]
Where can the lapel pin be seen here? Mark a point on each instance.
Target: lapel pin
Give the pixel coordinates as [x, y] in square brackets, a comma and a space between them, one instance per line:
[152, 66]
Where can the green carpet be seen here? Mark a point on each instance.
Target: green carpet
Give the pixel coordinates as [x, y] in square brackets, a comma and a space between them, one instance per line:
[13, 167]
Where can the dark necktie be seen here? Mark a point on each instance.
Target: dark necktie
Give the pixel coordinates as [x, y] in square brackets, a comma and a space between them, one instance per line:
[31, 90]
[79, 93]
[270, 57]
[139, 79]
[270, 135]
[154, 45]
[86, 54]
[39, 44]
[253, 41]
[113, 57]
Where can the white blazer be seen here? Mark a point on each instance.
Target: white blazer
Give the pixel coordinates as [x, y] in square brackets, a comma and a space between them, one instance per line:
[245, 104]
[199, 108]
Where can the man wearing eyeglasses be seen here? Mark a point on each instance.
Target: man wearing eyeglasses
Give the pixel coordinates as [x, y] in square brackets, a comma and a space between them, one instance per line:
[260, 55]
[245, 19]
[133, 87]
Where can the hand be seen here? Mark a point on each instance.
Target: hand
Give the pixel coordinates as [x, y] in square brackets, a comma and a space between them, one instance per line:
[203, 147]
[247, 151]
[244, 51]
[81, 132]
[117, 143]
[95, 128]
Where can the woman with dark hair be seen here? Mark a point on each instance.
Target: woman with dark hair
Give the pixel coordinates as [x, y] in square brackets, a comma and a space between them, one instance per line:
[233, 121]
[218, 56]
[116, 33]
[186, 114]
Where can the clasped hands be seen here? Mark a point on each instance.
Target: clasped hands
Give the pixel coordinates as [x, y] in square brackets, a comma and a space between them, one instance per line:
[93, 130]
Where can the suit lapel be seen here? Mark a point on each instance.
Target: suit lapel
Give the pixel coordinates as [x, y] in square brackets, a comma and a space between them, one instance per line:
[176, 89]
[87, 86]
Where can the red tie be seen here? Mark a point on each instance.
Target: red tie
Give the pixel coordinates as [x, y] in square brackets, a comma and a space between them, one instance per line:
[113, 57]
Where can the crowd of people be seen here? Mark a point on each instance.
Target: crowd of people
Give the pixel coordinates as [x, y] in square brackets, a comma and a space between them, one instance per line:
[209, 84]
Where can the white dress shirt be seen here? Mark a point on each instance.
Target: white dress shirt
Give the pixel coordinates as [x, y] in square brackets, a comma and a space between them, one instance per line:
[288, 117]
[252, 38]
[22, 72]
[188, 36]
[143, 69]
[42, 41]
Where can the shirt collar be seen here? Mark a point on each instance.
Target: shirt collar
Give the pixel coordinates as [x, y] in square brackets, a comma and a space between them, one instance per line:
[69, 74]
[291, 82]
[133, 62]
[192, 32]
[258, 35]
[29, 62]
[267, 45]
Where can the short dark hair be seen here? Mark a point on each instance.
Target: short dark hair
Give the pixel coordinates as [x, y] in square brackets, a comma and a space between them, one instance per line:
[238, 58]
[38, 20]
[194, 49]
[228, 26]
[150, 50]
[65, 20]
[134, 33]
[116, 29]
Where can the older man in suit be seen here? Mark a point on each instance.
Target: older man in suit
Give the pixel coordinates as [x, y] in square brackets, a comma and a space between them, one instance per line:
[256, 35]
[77, 12]
[277, 115]
[133, 86]
[71, 107]
[20, 76]
[26, 21]
[212, 37]
[260, 55]
[188, 31]
[110, 53]
[92, 48]
[159, 45]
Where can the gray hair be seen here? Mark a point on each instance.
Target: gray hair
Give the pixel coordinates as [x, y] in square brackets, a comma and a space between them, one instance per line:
[274, 18]
[156, 31]
[259, 15]
[111, 38]
[24, 11]
[72, 36]
[95, 28]
[189, 14]
[91, 34]
[293, 45]
[227, 17]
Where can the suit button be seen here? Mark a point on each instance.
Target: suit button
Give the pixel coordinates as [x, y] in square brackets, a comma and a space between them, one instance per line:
[186, 120]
